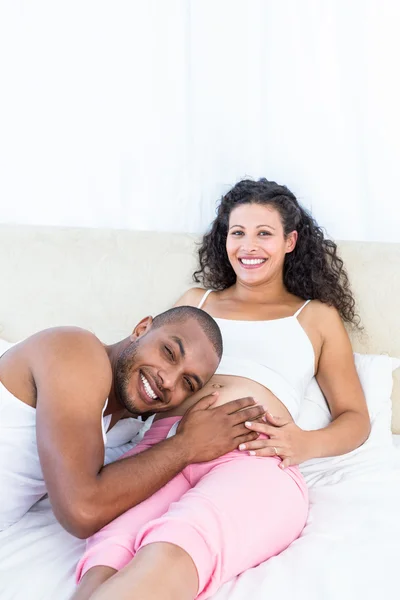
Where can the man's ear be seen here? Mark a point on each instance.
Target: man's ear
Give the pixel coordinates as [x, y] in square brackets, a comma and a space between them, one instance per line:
[141, 328]
[291, 241]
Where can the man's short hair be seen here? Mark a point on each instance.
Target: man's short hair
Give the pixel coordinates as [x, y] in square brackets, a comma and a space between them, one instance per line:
[180, 314]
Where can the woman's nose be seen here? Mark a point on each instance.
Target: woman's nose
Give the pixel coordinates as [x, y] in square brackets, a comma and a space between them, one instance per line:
[249, 245]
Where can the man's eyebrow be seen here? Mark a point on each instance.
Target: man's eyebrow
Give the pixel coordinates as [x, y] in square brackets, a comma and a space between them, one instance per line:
[180, 344]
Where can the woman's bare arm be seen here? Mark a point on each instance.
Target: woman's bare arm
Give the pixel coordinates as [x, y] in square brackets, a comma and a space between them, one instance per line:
[340, 384]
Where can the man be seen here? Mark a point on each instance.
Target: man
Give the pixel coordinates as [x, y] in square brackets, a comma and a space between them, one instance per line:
[55, 387]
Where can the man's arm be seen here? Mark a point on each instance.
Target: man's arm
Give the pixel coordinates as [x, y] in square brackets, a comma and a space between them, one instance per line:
[73, 378]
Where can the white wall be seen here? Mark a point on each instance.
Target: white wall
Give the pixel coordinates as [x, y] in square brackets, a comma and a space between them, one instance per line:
[140, 114]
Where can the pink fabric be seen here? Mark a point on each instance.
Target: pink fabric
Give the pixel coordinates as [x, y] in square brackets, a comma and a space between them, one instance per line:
[229, 515]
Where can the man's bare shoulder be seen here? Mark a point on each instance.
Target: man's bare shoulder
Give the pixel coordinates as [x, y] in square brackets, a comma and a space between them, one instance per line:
[65, 358]
[65, 337]
[76, 348]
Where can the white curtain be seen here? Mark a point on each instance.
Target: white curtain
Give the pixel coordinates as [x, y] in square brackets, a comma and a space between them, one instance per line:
[140, 114]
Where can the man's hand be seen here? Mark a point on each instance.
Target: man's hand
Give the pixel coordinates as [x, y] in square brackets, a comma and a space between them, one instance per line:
[208, 433]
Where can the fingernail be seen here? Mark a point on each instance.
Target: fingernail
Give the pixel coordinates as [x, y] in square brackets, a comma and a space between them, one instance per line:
[248, 424]
[252, 453]
[242, 447]
[264, 419]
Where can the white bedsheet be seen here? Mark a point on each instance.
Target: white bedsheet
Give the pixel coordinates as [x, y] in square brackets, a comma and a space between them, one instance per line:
[349, 550]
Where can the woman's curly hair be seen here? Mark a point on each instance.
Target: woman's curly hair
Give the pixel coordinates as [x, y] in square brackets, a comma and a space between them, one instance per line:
[312, 270]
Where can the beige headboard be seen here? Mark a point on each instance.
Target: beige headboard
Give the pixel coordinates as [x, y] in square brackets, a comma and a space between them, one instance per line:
[106, 280]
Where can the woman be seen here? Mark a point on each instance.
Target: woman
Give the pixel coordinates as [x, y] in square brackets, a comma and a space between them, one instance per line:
[280, 296]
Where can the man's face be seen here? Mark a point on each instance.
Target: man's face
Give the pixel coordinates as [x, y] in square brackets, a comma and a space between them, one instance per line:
[163, 366]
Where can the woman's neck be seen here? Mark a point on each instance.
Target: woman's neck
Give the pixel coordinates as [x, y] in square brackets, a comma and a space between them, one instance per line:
[272, 292]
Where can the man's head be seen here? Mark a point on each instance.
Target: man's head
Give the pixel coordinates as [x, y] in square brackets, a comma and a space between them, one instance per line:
[169, 358]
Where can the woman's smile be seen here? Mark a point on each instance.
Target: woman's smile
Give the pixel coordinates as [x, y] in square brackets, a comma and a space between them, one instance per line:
[252, 262]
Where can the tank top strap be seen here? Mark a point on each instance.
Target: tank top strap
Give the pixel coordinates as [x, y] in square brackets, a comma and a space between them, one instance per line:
[204, 298]
[296, 314]
[105, 422]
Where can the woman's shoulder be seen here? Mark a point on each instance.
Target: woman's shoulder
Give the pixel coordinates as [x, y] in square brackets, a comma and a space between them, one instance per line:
[322, 323]
[324, 310]
[326, 318]
[192, 297]
[314, 310]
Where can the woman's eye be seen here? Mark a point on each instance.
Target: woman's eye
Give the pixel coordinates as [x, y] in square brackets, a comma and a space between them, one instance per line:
[237, 233]
[169, 352]
[264, 233]
[189, 384]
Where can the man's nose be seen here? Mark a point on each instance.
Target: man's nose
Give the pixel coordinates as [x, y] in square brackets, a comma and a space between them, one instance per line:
[168, 379]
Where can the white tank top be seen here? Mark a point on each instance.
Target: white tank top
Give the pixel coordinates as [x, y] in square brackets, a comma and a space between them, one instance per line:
[277, 353]
[21, 478]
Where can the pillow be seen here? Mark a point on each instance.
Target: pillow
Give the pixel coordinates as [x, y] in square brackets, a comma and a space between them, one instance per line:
[375, 373]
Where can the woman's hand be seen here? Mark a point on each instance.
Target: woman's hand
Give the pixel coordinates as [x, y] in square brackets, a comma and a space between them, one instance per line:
[286, 440]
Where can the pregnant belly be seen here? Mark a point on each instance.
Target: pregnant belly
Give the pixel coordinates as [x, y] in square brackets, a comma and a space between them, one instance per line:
[229, 388]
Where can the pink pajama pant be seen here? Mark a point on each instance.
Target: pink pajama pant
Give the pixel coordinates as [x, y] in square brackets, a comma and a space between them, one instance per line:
[229, 515]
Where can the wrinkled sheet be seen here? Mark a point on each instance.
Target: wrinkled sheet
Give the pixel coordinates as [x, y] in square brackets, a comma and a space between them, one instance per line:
[349, 549]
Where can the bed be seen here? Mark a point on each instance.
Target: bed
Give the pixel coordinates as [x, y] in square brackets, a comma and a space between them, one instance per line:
[107, 280]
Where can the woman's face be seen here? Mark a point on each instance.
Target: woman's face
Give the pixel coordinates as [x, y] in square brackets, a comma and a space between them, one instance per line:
[256, 244]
